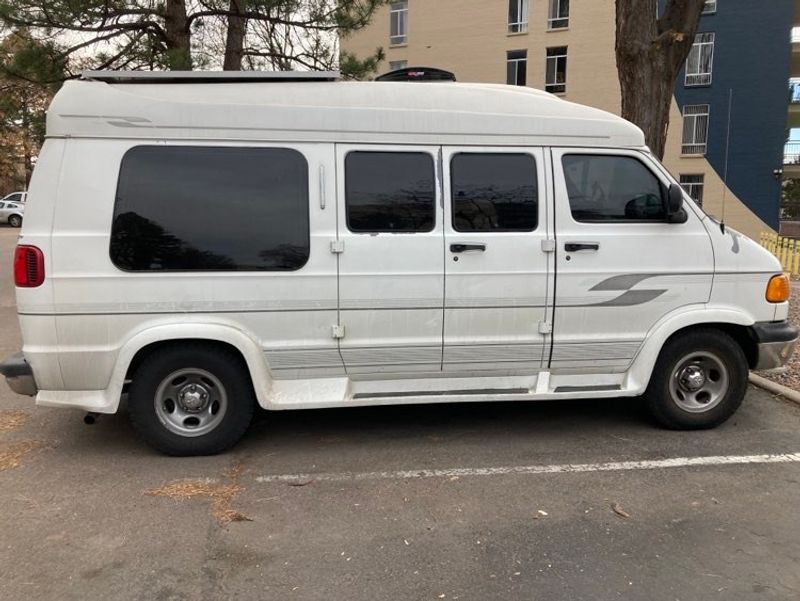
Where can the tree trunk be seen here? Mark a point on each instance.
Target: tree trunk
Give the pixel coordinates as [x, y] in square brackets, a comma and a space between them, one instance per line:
[234, 40]
[27, 153]
[650, 52]
[178, 36]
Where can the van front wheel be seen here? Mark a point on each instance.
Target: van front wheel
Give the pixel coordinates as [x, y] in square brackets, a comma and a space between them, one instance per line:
[191, 400]
[699, 380]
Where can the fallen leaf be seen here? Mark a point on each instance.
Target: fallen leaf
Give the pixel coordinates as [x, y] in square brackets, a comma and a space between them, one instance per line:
[615, 507]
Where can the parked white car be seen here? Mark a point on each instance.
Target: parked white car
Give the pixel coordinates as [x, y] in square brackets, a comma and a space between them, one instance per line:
[210, 244]
[19, 197]
[11, 213]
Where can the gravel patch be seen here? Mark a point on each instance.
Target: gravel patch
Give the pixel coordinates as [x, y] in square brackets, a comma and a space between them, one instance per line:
[790, 374]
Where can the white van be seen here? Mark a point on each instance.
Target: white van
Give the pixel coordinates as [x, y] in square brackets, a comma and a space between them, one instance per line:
[206, 242]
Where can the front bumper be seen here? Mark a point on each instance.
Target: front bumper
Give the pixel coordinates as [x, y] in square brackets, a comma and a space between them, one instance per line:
[775, 341]
[19, 375]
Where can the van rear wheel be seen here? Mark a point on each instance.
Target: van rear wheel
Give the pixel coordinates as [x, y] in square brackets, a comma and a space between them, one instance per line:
[699, 380]
[191, 400]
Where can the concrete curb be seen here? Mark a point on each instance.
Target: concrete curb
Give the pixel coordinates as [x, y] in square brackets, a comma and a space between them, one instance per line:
[775, 388]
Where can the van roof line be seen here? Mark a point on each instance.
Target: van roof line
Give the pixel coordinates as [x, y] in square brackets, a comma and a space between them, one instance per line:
[208, 76]
[324, 111]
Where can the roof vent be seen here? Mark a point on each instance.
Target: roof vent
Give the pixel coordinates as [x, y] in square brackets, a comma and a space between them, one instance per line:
[207, 76]
[417, 74]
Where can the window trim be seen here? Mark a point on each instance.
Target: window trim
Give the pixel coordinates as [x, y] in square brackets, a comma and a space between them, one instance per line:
[494, 153]
[711, 11]
[516, 62]
[663, 186]
[548, 86]
[166, 272]
[694, 145]
[398, 10]
[700, 78]
[389, 150]
[519, 26]
[553, 15]
[686, 186]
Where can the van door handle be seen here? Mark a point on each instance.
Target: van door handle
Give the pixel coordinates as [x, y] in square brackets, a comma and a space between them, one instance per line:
[461, 248]
[576, 246]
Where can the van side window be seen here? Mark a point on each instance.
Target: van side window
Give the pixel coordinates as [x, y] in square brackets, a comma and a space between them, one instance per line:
[390, 192]
[187, 208]
[612, 188]
[494, 192]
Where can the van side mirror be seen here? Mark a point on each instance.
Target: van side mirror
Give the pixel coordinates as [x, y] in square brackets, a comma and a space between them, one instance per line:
[675, 210]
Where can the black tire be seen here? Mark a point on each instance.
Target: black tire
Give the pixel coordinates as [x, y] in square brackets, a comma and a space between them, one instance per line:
[15, 221]
[229, 371]
[664, 392]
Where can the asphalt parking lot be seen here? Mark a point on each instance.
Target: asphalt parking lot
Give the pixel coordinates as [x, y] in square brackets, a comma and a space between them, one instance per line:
[548, 501]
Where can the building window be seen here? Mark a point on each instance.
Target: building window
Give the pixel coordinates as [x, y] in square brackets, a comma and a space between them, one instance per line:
[710, 7]
[556, 71]
[494, 192]
[693, 184]
[700, 60]
[398, 23]
[517, 67]
[559, 14]
[695, 129]
[389, 192]
[206, 208]
[395, 65]
[611, 188]
[517, 16]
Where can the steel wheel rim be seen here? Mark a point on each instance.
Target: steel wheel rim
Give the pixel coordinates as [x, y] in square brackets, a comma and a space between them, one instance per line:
[699, 382]
[191, 402]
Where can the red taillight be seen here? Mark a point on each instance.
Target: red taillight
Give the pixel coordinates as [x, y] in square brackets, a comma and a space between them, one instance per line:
[28, 267]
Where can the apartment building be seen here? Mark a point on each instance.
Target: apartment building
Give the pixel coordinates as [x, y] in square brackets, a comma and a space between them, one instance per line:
[728, 121]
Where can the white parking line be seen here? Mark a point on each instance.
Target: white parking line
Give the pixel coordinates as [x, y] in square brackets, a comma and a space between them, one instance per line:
[615, 466]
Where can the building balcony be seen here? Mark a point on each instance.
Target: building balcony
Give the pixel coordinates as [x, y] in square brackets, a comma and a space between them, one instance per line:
[795, 51]
[794, 105]
[791, 160]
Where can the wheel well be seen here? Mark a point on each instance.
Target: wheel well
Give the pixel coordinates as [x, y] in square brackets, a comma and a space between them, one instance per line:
[741, 334]
[145, 351]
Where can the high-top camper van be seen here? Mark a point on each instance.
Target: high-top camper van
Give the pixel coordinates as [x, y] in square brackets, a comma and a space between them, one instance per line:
[206, 243]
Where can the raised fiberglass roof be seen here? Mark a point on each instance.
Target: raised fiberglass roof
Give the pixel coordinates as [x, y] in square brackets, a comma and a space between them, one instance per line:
[338, 111]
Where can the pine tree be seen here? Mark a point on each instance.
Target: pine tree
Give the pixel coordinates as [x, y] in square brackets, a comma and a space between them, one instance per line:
[183, 34]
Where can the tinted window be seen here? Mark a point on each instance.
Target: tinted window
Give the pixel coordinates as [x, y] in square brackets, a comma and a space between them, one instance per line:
[390, 192]
[612, 188]
[201, 208]
[494, 192]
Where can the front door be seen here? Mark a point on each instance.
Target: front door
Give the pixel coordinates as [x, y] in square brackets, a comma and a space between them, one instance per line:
[391, 273]
[621, 267]
[497, 261]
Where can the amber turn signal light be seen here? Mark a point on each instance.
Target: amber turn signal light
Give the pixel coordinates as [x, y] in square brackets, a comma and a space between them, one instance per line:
[778, 289]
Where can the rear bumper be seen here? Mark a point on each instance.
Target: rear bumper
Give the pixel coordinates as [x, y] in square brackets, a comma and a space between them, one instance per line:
[775, 342]
[19, 375]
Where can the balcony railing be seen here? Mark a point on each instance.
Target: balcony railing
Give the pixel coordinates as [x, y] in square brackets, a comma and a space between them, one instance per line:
[791, 153]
